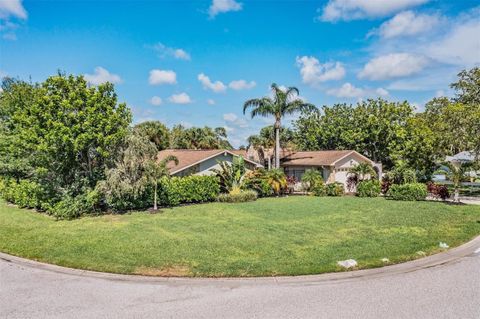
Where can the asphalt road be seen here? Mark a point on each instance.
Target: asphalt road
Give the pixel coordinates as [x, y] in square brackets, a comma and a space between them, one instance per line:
[450, 290]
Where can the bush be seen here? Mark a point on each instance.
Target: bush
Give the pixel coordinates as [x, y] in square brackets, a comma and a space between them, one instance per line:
[256, 180]
[311, 178]
[73, 207]
[369, 188]
[173, 191]
[407, 192]
[335, 189]
[24, 194]
[438, 191]
[242, 196]
[320, 189]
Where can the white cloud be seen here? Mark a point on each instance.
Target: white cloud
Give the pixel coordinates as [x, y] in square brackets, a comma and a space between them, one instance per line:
[336, 10]
[12, 8]
[222, 6]
[181, 54]
[101, 75]
[241, 85]
[186, 124]
[182, 98]
[393, 65]
[164, 51]
[382, 92]
[440, 93]
[313, 72]
[216, 86]
[235, 120]
[460, 45]
[211, 102]
[408, 23]
[230, 117]
[229, 129]
[156, 100]
[349, 91]
[159, 77]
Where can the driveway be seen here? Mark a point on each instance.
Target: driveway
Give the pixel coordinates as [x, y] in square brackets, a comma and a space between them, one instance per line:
[446, 290]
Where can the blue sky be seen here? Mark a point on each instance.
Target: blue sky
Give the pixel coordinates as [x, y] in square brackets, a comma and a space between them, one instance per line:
[196, 62]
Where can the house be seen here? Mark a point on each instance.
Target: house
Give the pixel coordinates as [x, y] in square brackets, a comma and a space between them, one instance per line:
[201, 162]
[334, 165]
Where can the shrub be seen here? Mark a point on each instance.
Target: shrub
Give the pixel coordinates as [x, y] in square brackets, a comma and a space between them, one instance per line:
[319, 190]
[407, 192]
[438, 191]
[352, 181]
[256, 180]
[238, 197]
[335, 189]
[369, 188]
[73, 207]
[24, 194]
[173, 191]
[311, 178]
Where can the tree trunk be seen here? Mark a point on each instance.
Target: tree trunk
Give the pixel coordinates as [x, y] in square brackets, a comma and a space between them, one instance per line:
[456, 195]
[155, 207]
[277, 143]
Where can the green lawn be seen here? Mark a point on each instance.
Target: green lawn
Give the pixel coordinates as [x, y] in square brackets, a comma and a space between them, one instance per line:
[274, 236]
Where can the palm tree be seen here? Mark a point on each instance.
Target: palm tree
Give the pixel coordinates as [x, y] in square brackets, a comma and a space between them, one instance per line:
[155, 170]
[363, 171]
[284, 102]
[277, 180]
[455, 172]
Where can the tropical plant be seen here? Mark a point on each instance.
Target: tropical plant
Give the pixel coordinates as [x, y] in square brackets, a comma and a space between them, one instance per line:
[284, 102]
[257, 181]
[156, 170]
[455, 172]
[198, 138]
[363, 171]
[277, 180]
[311, 178]
[370, 188]
[156, 132]
[238, 197]
[407, 192]
[231, 175]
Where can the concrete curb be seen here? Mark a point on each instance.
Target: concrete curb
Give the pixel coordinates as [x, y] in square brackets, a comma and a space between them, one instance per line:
[450, 256]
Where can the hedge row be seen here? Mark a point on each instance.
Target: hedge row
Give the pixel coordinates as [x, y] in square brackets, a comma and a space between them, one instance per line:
[407, 192]
[191, 189]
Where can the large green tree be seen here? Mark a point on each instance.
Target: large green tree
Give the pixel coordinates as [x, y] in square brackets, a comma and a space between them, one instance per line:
[283, 102]
[70, 130]
[198, 138]
[375, 128]
[156, 132]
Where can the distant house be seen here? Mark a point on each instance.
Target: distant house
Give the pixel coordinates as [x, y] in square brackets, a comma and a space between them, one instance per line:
[201, 162]
[334, 165]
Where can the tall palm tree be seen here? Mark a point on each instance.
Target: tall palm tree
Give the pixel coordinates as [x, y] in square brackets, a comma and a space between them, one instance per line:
[455, 172]
[284, 102]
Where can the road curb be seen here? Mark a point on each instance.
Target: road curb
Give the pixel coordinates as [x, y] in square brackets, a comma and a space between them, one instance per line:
[450, 256]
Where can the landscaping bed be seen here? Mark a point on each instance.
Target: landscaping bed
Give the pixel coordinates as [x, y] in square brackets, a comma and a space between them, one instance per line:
[294, 235]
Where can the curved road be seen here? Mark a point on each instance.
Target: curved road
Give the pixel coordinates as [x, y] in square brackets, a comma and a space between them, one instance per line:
[450, 289]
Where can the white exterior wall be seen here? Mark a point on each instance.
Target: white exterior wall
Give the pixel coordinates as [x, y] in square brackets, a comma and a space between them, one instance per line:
[343, 166]
[205, 167]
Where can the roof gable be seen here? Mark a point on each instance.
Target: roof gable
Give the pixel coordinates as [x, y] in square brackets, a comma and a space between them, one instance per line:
[318, 158]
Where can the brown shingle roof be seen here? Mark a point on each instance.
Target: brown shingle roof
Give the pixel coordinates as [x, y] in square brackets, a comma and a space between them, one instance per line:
[188, 158]
[314, 158]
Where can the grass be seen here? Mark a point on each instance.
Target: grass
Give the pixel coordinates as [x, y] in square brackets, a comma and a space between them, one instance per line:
[275, 236]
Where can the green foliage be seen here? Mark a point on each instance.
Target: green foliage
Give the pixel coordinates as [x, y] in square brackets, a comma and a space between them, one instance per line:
[401, 174]
[311, 178]
[238, 197]
[374, 128]
[156, 132]
[467, 88]
[70, 207]
[368, 188]
[283, 102]
[277, 180]
[198, 138]
[319, 189]
[335, 189]
[455, 172]
[257, 180]
[61, 134]
[407, 192]
[25, 193]
[173, 191]
[231, 176]
[363, 171]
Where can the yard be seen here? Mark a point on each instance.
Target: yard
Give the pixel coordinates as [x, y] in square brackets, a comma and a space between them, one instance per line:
[274, 236]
